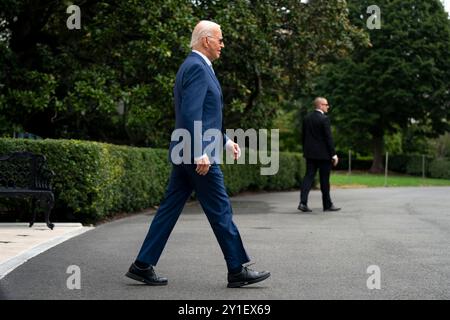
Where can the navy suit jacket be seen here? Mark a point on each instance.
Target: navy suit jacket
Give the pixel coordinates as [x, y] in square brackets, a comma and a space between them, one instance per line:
[198, 97]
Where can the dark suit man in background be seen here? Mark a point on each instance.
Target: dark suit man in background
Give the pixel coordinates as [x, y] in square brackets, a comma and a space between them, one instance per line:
[198, 98]
[318, 149]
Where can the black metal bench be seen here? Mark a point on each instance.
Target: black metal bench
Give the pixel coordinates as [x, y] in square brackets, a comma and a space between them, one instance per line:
[25, 175]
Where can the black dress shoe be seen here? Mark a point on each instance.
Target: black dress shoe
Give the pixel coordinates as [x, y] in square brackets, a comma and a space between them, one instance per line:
[147, 276]
[332, 208]
[304, 208]
[245, 277]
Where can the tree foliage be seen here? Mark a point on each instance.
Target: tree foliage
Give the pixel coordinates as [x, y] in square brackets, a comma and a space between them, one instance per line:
[112, 80]
[402, 80]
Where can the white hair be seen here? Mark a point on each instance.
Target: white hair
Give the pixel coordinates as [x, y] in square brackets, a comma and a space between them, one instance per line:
[202, 29]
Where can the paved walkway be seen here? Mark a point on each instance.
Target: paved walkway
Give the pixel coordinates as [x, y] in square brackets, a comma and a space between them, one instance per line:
[19, 243]
[402, 232]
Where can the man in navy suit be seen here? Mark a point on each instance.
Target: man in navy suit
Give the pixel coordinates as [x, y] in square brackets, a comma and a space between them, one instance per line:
[198, 108]
[318, 149]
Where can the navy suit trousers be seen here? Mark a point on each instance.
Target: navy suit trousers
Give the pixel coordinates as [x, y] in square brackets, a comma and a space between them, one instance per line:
[211, 193]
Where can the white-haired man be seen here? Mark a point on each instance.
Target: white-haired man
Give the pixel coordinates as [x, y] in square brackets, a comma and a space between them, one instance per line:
[198, 98]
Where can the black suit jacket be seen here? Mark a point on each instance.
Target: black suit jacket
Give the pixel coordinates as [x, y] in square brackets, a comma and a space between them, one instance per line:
[317, 140]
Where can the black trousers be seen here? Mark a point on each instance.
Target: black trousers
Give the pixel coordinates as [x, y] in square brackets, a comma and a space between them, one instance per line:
[324, 167]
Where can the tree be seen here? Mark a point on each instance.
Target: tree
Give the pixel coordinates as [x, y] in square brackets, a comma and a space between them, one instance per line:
[441, 146]
[272, 49]
[71, 83]
[402, 79]
[112, 80]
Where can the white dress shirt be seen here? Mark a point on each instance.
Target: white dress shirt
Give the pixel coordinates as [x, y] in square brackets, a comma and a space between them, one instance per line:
[208, 62]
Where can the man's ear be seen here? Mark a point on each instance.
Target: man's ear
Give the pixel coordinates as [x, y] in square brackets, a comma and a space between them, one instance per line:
[206, 42]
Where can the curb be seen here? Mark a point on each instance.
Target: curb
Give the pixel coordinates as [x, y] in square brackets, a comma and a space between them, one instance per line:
[14, 262]
[39, 224]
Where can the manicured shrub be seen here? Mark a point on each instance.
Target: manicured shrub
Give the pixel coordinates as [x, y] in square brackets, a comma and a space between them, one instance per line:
[94, 180]
[440, 168]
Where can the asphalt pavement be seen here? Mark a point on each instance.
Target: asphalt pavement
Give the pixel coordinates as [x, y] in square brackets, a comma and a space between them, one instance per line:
[394, 239]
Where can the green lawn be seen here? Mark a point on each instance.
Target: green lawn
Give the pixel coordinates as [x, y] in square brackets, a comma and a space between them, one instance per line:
[373, 180]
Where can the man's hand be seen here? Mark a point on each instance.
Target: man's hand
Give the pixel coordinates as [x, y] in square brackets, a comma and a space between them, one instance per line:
[233, 147]
[335, 160]
[203, 165]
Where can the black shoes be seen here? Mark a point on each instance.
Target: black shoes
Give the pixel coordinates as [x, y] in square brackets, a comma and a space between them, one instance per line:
[304, 208]
[243, 278]
[246, 277]
[148, 276]
[332, 208]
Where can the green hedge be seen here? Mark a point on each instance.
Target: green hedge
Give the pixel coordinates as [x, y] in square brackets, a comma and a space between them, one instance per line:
[239, 177]
[412, 164]
[407, 163]
[440, 168]
[94, 180]
[398, 163]
[357, 164]
[415, 164]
